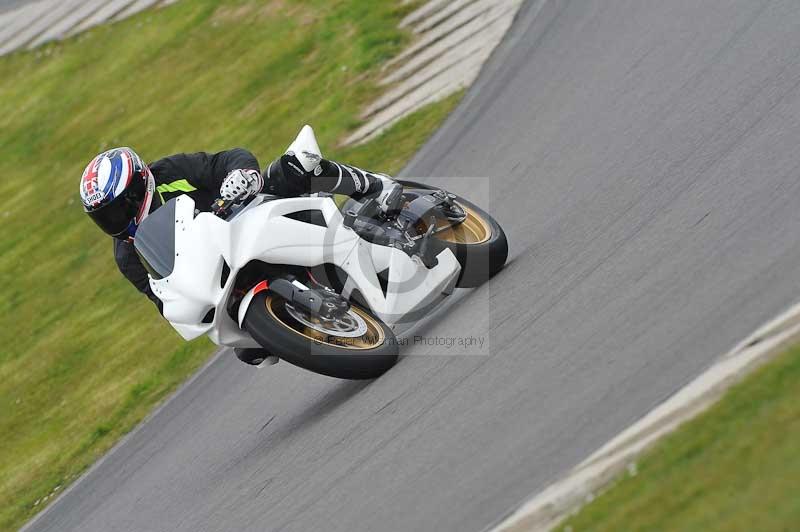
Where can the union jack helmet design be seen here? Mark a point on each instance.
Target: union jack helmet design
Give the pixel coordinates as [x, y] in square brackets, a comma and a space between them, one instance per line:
[117, 191]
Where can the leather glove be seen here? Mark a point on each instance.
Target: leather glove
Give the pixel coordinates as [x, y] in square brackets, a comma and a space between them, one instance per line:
[241, 185]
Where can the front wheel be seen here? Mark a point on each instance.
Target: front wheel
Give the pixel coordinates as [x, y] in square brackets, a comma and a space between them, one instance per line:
[356, 346]
[479, 243]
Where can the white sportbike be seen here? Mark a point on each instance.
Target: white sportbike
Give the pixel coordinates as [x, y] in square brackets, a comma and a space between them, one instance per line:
[316, 282]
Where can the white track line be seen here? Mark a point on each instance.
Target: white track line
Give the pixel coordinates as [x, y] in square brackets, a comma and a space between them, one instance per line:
[109, 10]
[425, 11]
[466, 33]
[137, 6]
[37, 23]
[71, 20]
[20, 19]
[46, 18]
[547, 509]
[456, 39]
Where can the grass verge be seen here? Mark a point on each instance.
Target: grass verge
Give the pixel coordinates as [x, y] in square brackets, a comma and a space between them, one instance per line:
[735, 467]
[84, 357]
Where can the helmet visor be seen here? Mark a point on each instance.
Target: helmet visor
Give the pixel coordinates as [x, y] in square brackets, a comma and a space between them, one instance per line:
[116, 216]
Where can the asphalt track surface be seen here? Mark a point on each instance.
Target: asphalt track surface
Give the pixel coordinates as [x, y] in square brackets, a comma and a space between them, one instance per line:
[645, 163]
[6, 5]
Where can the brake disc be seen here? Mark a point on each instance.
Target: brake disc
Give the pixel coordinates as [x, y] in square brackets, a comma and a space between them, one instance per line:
[351, 325]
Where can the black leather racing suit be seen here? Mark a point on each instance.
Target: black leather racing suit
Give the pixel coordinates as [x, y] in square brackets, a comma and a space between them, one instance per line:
[200, 176]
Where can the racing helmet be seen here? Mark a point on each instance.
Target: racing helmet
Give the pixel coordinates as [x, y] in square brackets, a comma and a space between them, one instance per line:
[117, 191]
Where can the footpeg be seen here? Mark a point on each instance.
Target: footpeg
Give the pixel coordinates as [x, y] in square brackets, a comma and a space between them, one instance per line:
[269, 361]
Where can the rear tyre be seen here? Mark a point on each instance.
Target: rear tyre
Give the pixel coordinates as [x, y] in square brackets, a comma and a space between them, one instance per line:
[360, 346]
[479, 243]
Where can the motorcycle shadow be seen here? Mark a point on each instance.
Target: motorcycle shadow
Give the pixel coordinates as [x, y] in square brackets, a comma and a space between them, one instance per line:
[311, 414]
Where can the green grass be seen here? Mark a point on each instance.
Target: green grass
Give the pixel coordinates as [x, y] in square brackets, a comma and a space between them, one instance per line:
[734, 468]
[85, 357]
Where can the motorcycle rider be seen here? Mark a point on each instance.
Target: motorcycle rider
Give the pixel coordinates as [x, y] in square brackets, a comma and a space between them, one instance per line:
[118, 191]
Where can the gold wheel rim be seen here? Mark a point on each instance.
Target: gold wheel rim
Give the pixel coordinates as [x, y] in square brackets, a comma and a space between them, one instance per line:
[473, 230]
[373, 338]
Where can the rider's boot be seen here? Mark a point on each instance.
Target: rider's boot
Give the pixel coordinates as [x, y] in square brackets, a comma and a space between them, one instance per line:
[255, 357]
[303, 170]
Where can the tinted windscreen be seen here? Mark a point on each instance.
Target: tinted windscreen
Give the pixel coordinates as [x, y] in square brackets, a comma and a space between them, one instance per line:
[155, 241]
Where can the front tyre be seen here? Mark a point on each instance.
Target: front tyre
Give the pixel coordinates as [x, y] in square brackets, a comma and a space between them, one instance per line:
[479, 243]
[358, 346]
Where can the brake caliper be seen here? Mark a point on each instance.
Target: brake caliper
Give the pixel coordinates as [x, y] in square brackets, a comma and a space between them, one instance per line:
[323, 303]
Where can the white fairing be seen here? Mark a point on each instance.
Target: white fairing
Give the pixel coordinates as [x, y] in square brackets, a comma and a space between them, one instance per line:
[205, 243]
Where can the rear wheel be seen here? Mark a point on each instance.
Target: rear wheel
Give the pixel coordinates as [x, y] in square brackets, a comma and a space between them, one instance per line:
[479, 243]
[356, 346]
